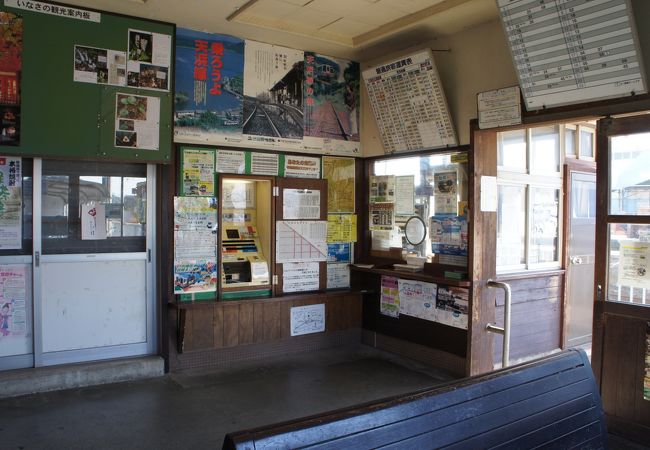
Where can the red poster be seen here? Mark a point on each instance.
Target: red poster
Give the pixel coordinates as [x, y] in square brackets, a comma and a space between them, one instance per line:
[11, 49]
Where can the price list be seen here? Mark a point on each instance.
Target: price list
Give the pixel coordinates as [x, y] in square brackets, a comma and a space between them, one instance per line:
[572, 51]
[409, 104]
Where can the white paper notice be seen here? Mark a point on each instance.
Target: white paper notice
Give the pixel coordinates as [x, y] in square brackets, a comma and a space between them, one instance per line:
[300, 204]
[149, 58]
[301, 167]
[338, 276]
[489, 197]
[137, 121]
[307, 319]
[231, 161]
[404, 195]
[93, 221]
[499, 108]
[265, 164]
[300, 277]
[99, 66]
[298, 241]
[417, 299]
[633, 264]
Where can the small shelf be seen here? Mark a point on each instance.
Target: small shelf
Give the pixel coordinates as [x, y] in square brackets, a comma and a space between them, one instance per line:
[420, 276]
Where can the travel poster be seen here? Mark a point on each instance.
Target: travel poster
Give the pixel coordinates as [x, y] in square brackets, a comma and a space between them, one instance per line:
[208, 98]
[11, 49]
[11, 203]
[15, 311]
[99, 66]
[340, 176]
[137, 121]
[273, 80]
[331, 105]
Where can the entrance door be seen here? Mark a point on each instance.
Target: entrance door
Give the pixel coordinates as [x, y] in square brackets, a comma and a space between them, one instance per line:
[622, 307]
[580, 259]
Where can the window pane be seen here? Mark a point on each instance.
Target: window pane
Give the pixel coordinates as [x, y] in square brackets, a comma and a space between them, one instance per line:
[586, 144]
[545, 150]
[512, 150]
[630, 174]
[569, 142]
[511, 226]
[628, 279]
[544, 225]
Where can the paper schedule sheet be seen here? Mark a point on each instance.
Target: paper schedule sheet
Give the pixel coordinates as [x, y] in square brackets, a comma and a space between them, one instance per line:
[300, 241]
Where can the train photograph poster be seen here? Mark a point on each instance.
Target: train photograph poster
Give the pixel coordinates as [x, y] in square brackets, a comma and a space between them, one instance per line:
[273, 88]
[331, 98]
[209, 88]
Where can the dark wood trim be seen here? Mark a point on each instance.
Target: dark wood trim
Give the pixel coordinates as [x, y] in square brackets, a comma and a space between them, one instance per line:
[643, 220]
[629, 310]
[412, 276]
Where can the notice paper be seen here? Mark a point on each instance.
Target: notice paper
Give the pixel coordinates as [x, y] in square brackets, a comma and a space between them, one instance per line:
[417, 299]
[300, 204]
[93, 221]
[198, 172]
[341, 228]
[149, 58]
[307, 319]
[300, 241]
[338, 276]
[137, 121]
[300, 277]
[231, 161]
[340, 176]
[99, 66]
[301, 166]
[265, 163]
[389, 300]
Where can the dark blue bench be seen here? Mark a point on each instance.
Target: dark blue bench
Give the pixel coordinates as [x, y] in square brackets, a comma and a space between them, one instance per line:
[551, 403]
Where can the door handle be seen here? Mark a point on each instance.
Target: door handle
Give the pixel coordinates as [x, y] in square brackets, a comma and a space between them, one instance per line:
[37, 259]
[576, 260]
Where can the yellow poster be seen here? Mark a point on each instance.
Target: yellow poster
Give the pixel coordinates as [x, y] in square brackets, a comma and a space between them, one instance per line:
[339, 173]
[341, 228]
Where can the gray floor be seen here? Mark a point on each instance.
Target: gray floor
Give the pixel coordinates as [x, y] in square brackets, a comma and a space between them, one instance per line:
[194, 410]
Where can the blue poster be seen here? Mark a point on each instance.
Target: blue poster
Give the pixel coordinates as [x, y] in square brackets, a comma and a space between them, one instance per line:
[209, 88]
[338, 253]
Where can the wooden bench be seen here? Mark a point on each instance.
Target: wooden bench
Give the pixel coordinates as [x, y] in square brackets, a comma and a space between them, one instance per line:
[551, 402]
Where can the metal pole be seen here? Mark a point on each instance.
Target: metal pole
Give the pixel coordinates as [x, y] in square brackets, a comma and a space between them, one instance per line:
[505, 331]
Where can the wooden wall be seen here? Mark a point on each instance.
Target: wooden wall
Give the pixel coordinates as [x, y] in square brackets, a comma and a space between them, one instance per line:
[243, 324]
[536, 318]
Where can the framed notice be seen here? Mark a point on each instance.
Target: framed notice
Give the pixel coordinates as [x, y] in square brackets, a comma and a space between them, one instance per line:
[409, 104]
[568, 52]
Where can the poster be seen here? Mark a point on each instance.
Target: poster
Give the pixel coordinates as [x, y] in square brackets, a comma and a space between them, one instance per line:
[341, 228]
[338, 276]
[448, 235]
[195, 244]
[339, 253]
[300, 277]
[307, 319]
[209, 88]
[445, 204]
[409, 104]
[382, 189]
[93, 221]
[301, 166]
[389, 298]
[405, 195]
[195, 213]
[99, 66]
[634, 264]
[340, 176]
[231, 161]
[452, 306]
[11, 203]
[273, 115]
[148, 60]
[238, 195]
[331, 105]
[445, 183]
[300, 204]
[417, 299]
[265, 164]
[382, 216]
[195, 275]
[11, 49]
[198, 172]
[137, 121]
[15, 311]
[300, 241]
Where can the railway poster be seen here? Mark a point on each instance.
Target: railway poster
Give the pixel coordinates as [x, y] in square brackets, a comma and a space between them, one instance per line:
[331, 105]
[15, 310]
[273, 114]
[209, 88]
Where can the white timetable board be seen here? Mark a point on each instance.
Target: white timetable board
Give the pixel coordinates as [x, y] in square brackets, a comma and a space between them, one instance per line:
[409, 104]
[573, 51]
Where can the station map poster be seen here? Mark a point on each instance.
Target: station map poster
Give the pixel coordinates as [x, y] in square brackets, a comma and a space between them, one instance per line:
[409, 104]
[571, 52]
[273, 78]
[331, 105]
[209, 87]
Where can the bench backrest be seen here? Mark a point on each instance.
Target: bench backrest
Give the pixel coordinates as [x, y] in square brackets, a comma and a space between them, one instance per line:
[552, 403]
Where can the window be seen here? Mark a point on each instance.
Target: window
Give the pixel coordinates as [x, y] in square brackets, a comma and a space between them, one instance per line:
[528, 212]
[121, 188]
[432, 187]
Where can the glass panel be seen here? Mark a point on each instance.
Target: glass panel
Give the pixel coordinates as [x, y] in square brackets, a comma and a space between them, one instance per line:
[583, 200]
[630, 175]
[545, 150]
[512, 150]
[569, 142]
[55, 206]
[586, 144]
[628, 278]
[544, 231]
[511, 226]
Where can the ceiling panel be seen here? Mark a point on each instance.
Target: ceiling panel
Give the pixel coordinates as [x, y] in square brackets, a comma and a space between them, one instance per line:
[311, 18]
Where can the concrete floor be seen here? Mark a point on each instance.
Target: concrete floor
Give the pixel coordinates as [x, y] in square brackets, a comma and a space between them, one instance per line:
[194, 410]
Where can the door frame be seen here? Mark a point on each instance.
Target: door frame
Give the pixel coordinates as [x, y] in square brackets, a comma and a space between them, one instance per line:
[580, 166]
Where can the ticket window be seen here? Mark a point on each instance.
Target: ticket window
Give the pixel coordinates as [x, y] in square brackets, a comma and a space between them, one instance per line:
[246, 236]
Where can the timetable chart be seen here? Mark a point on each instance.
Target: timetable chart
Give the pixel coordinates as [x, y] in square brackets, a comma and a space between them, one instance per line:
[573, 51]
[409, 104]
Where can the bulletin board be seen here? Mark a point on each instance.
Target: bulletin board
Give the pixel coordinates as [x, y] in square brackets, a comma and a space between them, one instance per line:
[65, 118]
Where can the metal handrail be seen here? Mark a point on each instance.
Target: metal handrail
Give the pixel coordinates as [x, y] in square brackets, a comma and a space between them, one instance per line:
[505, 330]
